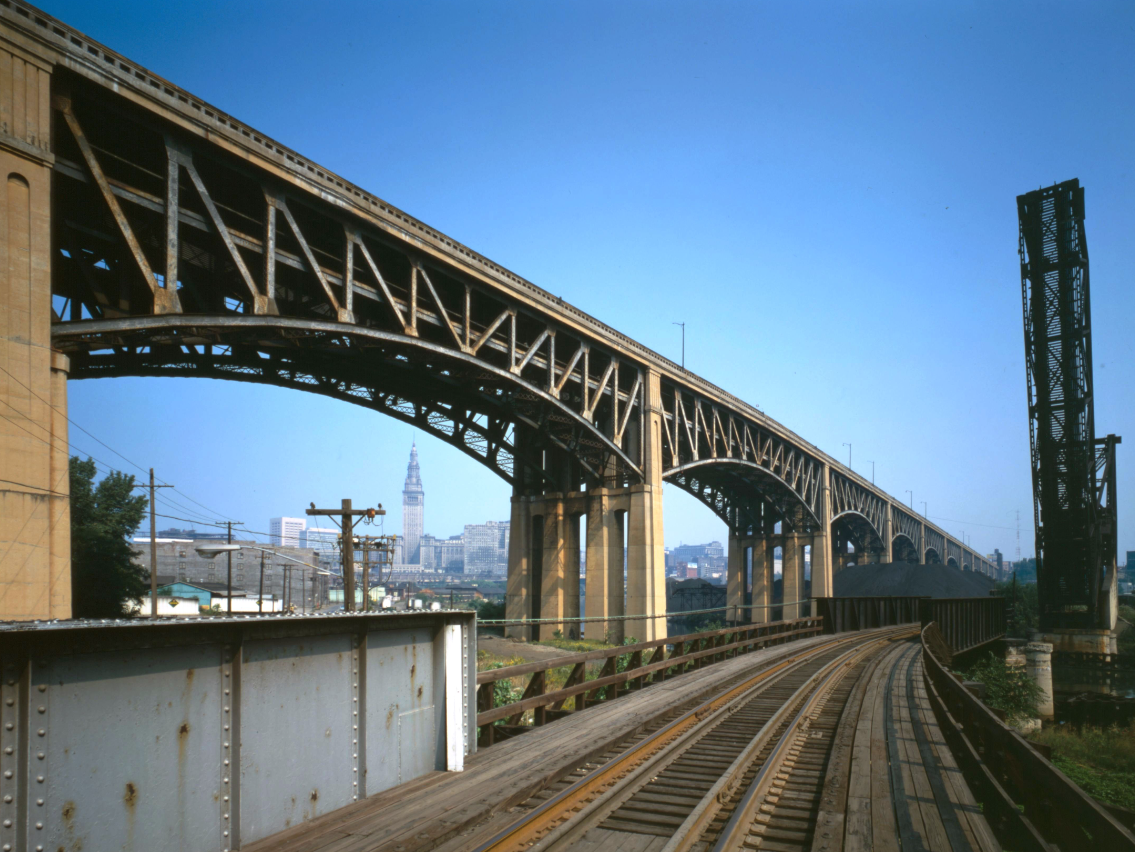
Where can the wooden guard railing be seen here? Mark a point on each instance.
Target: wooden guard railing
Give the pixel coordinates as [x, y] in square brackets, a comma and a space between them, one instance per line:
[647, 663]
[1029, 803]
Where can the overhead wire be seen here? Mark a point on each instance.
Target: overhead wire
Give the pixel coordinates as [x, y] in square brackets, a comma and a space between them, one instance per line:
[112, 449]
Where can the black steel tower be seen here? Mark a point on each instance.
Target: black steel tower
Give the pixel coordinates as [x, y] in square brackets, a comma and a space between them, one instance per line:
[1073, 472]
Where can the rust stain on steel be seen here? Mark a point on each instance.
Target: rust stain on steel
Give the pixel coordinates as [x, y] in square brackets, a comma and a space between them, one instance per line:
[131, 796]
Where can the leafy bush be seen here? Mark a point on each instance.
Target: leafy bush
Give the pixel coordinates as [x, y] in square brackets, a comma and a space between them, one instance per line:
[1100, 760]
[1010, 690]
[1126, 641]
[1022, 607]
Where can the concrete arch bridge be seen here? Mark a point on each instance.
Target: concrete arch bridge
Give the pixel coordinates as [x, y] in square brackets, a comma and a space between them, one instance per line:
[150, 234]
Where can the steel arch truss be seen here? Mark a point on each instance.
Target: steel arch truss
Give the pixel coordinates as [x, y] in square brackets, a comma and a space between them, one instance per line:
[745, 495]
[906, 525]
[150, 222]
[848, 497]
[454, 399]
[935, 541]
[722, 445]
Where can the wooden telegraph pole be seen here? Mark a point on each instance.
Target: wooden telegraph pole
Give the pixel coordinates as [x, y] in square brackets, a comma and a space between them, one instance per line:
[153, 545]
[348, 518]
[382, 546]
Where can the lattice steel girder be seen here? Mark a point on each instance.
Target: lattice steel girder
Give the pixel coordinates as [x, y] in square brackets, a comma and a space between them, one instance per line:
[460, 401]
[1056, 302]
[849, 498]
[236, 260]
[697, 432]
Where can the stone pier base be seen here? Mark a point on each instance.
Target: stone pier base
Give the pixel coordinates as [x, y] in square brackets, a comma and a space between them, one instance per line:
[1083, 641]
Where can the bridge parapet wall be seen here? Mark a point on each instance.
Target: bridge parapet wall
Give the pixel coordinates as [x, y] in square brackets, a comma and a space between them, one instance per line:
[212, 734]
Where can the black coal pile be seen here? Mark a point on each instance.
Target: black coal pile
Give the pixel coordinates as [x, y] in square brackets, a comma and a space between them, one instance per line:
[903, 579]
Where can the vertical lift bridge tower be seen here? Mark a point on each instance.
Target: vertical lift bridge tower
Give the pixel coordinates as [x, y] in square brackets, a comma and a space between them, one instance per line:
[1073, 470]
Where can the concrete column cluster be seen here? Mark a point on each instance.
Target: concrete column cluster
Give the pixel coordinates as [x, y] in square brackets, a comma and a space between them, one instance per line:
[623, 526]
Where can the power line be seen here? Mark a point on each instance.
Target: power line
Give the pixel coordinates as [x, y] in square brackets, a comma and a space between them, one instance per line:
[48, 403]
[972, 523]
[105, 468]
[36, 487]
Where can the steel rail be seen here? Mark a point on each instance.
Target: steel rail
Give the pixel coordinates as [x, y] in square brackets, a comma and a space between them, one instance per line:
[737, 829]
[632, 763]
[812, 693]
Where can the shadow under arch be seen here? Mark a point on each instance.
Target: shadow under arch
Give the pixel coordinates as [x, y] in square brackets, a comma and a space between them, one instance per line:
[858, 520]
[932, 557]
[740, 491]
[903, 549]
[488, 413]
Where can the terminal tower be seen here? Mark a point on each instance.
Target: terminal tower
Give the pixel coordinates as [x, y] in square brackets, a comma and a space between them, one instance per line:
[413, 500]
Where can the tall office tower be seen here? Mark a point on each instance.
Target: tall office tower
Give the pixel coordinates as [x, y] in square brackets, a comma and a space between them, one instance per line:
[286, 531]
[413, 501]
[486, 548]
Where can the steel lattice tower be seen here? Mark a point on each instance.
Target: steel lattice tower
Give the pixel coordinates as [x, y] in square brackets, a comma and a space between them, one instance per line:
[1071, 474]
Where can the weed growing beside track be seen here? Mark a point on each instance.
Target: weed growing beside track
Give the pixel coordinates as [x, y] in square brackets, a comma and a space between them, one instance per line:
[1099, 760]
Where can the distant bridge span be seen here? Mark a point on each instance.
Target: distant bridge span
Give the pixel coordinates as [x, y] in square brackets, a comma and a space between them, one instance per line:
[166, 238]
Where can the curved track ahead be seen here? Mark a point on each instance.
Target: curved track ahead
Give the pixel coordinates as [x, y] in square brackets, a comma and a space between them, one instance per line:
[743, 769]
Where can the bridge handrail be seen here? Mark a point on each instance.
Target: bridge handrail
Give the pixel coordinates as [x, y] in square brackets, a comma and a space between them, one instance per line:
[709, 646]
[1028, 801]
[615, 651]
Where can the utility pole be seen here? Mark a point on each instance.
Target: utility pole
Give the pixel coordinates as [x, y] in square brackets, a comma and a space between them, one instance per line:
[366, 573]
[348, 518]
[230, 558]
[911, 493]
[153, 546]
[1018, 559]
[683, 325]
[260, 603]
[382, 546]
[872, 471]
[923, 502]
[848, 454]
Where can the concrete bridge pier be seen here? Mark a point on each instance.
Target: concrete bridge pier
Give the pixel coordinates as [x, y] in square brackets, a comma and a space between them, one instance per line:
[792, 573]
[623, 523]
[35, 518]
[606, 595]
[888, 554]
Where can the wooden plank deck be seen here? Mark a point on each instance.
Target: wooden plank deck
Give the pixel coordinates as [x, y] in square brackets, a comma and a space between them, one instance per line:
[906, 791]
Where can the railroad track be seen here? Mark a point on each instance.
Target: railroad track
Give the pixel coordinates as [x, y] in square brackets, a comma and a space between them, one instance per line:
[744, 769]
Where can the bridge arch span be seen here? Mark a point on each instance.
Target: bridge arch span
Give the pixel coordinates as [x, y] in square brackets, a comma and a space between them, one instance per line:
[903, 549]
[743, 493]
[494, 416]
[932, 557]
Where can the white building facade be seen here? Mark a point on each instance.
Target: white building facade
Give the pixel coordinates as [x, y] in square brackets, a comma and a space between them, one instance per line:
[287, 532]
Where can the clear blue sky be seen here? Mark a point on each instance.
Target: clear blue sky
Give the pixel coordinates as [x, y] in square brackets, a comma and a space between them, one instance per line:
[825, 193]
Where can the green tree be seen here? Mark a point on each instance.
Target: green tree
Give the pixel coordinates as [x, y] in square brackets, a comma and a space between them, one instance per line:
[103, 517]
[1022, 606]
